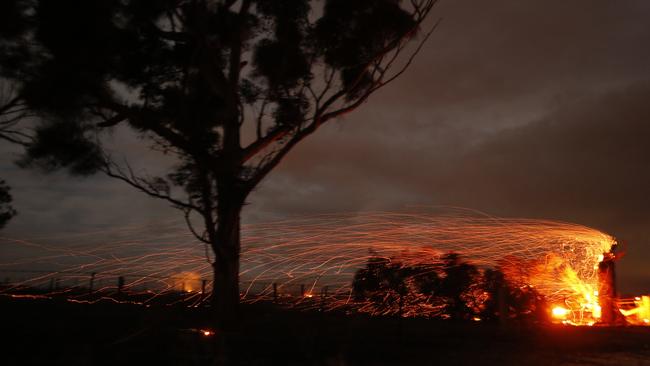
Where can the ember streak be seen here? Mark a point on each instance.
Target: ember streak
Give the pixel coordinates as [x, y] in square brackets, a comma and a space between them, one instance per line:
[570, 265]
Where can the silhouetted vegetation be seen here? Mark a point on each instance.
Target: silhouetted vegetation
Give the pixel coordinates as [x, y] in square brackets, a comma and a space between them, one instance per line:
[6, 211]
[456, 288]
[13, 114]
[381, 282]
[226, 88]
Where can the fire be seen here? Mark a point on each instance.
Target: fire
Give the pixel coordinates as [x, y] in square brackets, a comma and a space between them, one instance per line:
[636, 311]
[560, 312]
[186, 282]
[597, 311]
[559, 260]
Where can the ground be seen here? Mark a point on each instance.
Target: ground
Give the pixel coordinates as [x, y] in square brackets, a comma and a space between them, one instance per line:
[57, 332]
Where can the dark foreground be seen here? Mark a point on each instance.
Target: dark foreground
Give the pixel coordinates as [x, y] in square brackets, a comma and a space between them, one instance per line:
[48, 332]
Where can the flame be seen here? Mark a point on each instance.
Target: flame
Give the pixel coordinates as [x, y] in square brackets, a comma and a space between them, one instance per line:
[186, 281]
[558, 259]
[560, 312]
[637, 310]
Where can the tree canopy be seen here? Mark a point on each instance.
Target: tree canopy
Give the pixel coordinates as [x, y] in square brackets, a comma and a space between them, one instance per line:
[188, 75]
[451, 288]
[226, 87]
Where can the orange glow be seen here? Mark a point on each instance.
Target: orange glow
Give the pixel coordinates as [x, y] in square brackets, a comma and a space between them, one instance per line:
[187, 282]
[597, 313]
[637, 310]
[560, 312]
[558, 259]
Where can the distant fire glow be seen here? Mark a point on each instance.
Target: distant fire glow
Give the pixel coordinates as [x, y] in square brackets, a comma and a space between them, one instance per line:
[317, 257]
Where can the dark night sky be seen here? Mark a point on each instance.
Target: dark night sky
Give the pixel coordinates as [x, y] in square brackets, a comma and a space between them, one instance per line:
[518, 108]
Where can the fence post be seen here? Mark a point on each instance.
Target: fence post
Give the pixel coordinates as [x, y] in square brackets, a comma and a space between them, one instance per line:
[57, 284]
[302, 290]
[203, 283]
[91, 283]
[52, 284]
[120, 284]
[275, 292]
[323, 294]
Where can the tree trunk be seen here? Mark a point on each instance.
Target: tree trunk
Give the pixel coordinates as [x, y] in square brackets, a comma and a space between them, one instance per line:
[225, 294]
[225, 290]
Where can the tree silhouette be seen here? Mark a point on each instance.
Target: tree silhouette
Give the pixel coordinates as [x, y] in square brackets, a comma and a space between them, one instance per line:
[6, 211]
[13, 110]
[464, 291]
[226, 87]
[13, 114]
[495, 284]
[519, 302]
[382, 283]
[459, 276]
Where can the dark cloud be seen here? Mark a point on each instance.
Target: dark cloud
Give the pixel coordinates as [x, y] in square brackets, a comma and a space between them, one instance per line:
[510, 48]
[586, 162]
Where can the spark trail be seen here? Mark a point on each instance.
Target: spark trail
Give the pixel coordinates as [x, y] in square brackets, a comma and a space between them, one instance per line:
[558, 259]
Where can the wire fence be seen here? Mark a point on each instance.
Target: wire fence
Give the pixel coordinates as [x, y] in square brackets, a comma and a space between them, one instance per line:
[91, 287]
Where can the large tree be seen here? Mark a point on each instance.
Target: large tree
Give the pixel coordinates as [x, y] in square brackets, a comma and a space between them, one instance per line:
[13, 116]
[226, 87]
[14, 112]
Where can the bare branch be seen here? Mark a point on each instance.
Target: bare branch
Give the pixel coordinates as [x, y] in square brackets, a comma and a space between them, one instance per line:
[260, 117]
[188, 222]
[154, 123]
[12, 112]
[260, 144]
[380, 84]
[13, 140]
[412, 57]
[115, 171]
[113, 121]
[380, 67]
[6, 108]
